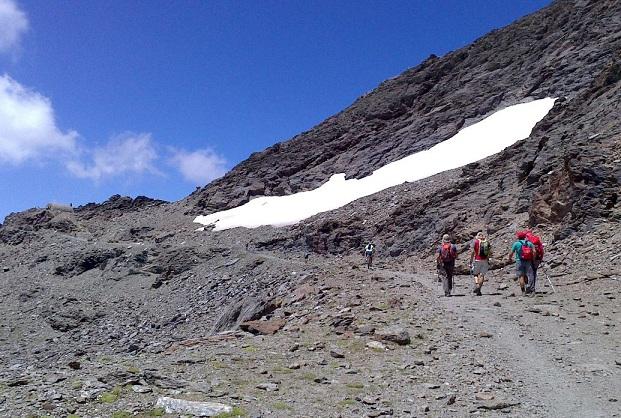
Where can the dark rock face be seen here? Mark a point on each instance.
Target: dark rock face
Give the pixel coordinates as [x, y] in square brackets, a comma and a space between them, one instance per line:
[559, 52]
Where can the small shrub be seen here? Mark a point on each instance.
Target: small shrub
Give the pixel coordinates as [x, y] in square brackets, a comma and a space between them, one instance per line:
[133, 369]
[281, 406]
[235, 412]
[346, 402]
[157, 412]
[112, 396]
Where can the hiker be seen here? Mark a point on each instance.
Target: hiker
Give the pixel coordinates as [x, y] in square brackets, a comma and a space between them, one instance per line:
[368, 253]
[524, 252]
[479, 263]
[531, 237]
[446, 255]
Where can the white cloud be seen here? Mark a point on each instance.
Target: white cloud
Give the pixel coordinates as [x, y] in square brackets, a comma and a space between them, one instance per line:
[199, 167]
[13, 24]
[128, 153]
[27, 125]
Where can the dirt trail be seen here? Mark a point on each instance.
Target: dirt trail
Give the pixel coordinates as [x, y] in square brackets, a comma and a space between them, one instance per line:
[558, 356]
[566, 377]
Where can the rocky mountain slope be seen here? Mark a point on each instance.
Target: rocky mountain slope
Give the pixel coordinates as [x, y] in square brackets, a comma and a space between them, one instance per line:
[108, 307]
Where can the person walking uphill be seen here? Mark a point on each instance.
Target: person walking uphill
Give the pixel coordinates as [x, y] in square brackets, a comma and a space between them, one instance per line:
[530, 236]
[369, 249]
[446, 255]
[525, 253]
[481, 249]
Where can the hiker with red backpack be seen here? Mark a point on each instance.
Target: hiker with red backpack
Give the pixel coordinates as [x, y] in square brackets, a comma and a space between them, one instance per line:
[446, 255]
[481, 250]
[525, 253]
[538, 248]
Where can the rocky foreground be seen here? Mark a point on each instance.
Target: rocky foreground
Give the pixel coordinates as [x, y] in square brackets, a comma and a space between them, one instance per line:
[114, 322]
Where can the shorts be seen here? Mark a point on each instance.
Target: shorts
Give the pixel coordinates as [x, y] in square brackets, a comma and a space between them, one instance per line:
[368, 253]
[481, 267]
[523, 268]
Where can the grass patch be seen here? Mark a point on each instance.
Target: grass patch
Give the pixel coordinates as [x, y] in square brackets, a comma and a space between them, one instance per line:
[282, 406]
[354, 385]
[105, 360]
[73, 416]
[112, 396]
[235, 412]
[133, 369]
[281, 370]
[357, 346]
[308, 376]
[219, 365]
[250, 349]
[157, 412]
[346, 403]
[76, 384]
[121, 414]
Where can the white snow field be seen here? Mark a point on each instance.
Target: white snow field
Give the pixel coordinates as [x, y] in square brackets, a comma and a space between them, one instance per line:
[478, 141]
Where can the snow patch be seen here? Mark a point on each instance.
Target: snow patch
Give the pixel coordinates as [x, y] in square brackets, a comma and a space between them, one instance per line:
[471, 144]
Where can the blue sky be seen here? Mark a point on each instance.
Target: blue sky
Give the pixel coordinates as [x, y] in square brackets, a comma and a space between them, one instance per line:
[157, 97]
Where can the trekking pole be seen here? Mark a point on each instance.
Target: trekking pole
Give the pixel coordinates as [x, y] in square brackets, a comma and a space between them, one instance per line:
[545, 271]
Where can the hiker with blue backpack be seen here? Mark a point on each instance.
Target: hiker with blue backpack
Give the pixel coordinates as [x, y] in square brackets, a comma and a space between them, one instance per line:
[445, 257]
[525, 254]
[479, 263]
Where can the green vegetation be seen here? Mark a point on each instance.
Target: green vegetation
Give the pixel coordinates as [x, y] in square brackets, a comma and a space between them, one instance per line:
[282, 406]
[218, 365]
[347, 402]
[308, 376]
[112, 396]
[121, 414]
[133, 369]
[235, 412]
[157, 412]
[281, 370]
[355, 385]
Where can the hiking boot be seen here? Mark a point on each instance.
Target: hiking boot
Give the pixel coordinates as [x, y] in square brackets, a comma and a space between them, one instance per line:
[475, 290]
[478, 292]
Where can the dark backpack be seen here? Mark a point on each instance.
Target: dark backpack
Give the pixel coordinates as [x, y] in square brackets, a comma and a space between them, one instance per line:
[526, 252]
[484, 248]
[448, 252]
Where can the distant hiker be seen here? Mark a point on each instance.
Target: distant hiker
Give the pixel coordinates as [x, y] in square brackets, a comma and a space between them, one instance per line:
[446, 255]
[530, 236]
[369, 250]
[524, 252]
[479, 263]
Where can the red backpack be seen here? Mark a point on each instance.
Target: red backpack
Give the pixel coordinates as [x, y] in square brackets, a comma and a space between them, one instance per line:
[537, 243]
[448, 252]
[526, 252]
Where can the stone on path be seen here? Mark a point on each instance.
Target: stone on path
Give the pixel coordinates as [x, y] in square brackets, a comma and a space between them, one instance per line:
[395, 334]
[269, 327]
[200, 409]
[497, 405]
[484, 396]
[376, 345]
[337, 352]
[269, 387]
